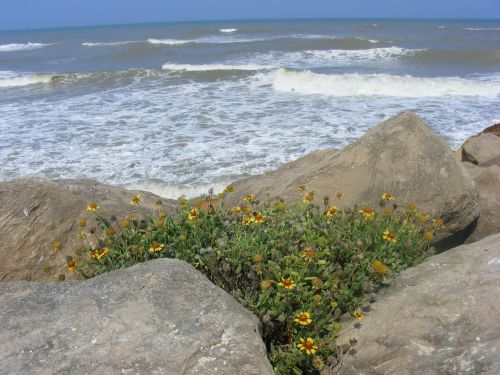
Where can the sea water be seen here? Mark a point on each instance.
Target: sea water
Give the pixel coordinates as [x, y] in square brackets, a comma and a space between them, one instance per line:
[178, 108]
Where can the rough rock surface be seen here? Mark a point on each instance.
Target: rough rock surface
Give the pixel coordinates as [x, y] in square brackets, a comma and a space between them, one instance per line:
[159, 317]
[36, 213]
[400, 156]
[487, 180]
[480, 148]
[440, 317]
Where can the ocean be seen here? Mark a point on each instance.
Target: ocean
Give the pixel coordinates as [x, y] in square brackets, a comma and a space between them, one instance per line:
[181, 107]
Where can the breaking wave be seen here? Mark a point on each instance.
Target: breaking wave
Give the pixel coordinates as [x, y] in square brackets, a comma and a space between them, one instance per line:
[21, 46]
[342, 85]
[7, 81]
[209, 67]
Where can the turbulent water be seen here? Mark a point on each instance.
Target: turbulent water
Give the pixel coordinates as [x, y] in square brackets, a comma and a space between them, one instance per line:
[177, 108]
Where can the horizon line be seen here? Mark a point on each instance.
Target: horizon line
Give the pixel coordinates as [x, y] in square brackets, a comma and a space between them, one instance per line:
[250, 20]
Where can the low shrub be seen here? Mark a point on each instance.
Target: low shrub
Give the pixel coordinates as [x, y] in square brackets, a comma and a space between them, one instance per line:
[298, 268]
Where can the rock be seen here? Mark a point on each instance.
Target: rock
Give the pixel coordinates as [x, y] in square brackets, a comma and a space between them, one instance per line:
[480, 148]
[440, 317]
[159, 317]
[400, 156]
[487, 180]
[35, 213]
[495, 129]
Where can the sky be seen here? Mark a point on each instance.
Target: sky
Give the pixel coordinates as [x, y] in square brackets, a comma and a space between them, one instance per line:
[32, 14]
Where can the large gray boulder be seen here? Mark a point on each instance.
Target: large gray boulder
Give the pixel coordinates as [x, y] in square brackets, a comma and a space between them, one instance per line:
[36, 213]
[400, 156]
[480, 148]
[159, 317]
[440, 317]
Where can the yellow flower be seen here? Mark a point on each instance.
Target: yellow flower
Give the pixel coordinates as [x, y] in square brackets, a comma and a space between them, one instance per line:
[368, 213]
[70, 264]
[317, 298]
[379, 267]
[57, 245]
[309, 197]
[160, 222]
[92, 206]
[156, 247]
[303, 318]
[237, 209]
[266, 284]
[82, 223]
[301, 188]
[162, 214]
[358, 314]
[229, 188]
[389, 236]
[339, 195]
[98, 254]
[193, 214]
[428, 235]
[258, 258]
[257, 218]
[246, 221]
[124, 223]
[307, 345]
[387, 197]
[411, 206]
[136, 199]
[110, 232]
[158, 202]
[331, 211]
[308, 254]
[423, 218]
[287, 283]
[249, 198]
[438, 223]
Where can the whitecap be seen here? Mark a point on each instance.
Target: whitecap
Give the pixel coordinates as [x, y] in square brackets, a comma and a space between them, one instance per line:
[209, 67]
[169, 42]
[228, 30]
[21, 46]
[343, 85]
[8, 79]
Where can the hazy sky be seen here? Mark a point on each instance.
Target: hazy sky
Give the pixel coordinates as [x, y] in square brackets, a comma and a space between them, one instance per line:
[22, 14]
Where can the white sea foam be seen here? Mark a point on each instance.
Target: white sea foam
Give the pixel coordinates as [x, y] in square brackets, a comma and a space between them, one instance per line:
[343, 85]
[228, 30]
[209, 67]
[106, 44]
[8, 79]
[441, 27]
[482, 28]
[172, 191]
[169, 42]
[21, 46]
[362, 54]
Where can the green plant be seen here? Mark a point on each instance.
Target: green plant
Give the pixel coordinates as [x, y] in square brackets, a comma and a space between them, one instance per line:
[298, 268]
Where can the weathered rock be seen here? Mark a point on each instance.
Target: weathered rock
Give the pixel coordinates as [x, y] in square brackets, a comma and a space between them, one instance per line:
[480, 148]
[495, 129]
[487, 181]
[159, 317]
[440, 317]
[36, 213]
[400, 156]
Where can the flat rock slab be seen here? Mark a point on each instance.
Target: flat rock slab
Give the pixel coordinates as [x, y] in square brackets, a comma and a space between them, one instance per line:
[159, 317]
[440, 317]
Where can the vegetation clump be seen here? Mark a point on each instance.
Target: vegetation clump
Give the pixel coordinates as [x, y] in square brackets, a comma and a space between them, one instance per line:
[298, 268]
